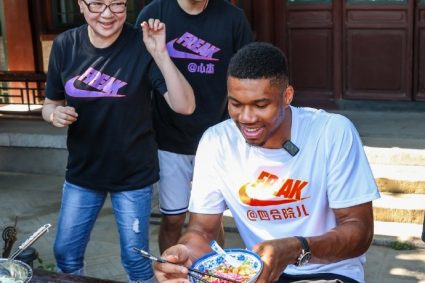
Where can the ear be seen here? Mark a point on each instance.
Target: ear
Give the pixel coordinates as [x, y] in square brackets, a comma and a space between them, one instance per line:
[81, 6]
[288, 95]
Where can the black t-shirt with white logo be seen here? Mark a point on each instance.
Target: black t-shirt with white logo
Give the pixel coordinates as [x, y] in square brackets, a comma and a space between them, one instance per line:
[111, 145]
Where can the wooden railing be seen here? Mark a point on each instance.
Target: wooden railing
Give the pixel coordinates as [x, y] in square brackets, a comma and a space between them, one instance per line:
[23, 89]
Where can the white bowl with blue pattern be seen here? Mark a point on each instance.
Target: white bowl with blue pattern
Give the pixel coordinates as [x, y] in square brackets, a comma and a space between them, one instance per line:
[212, 260]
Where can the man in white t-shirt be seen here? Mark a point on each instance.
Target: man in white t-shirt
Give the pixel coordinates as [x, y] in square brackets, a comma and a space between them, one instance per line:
[296, 180]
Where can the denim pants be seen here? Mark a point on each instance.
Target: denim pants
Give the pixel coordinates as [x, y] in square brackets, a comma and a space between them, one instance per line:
[79, 210]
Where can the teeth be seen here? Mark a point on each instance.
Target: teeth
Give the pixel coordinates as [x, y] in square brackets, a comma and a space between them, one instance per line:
[251, 130]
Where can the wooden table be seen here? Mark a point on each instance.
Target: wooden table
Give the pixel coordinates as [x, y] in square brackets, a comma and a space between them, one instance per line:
[43, 276]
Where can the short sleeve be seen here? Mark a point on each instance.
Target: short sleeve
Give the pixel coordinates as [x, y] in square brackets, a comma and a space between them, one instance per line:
[206, 196]
[350, 179]
[54, 85]
[156, 78]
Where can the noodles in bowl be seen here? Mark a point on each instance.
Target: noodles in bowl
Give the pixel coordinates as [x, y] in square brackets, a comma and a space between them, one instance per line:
[214, 263]
[14, 271]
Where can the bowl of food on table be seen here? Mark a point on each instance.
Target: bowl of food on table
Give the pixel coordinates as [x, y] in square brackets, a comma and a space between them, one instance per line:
[215, 269]
[14, 271]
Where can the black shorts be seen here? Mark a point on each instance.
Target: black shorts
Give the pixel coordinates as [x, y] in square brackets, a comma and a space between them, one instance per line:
[316, 278]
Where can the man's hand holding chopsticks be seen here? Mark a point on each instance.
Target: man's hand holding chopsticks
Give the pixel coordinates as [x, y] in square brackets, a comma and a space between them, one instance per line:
[171, 273]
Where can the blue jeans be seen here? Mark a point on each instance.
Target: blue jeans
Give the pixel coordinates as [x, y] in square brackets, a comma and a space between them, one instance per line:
[79, 210]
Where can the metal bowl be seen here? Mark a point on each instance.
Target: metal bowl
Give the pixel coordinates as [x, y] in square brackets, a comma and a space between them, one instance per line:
[19, 272]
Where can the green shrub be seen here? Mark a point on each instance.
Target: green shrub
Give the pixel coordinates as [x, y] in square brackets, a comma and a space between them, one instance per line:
[397, 245]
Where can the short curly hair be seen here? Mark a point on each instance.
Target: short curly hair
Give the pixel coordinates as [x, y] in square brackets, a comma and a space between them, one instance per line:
[260, 60]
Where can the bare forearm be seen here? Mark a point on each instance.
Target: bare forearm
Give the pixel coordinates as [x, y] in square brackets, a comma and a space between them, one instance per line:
[47, 112]
[180, 94]
[348, 240]
[202, 229]
[55, 112]
[197, 242]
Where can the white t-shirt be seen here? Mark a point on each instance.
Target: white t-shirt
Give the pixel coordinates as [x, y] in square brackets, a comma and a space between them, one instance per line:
[274, 195]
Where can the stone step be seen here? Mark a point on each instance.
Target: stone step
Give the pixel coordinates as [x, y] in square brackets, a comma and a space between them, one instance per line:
[401, 208]
[408, 179]
[390, 208]
[32, 146]
[37, 133]
[37, 147]
[407, 165]
[389, 129]
[388, 233]
[31, 134]
[399, 186]
[385, 233]
[395, 155]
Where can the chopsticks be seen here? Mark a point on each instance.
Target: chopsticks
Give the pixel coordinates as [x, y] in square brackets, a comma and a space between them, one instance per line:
[198, 277]
[161, 260]
[28, 242]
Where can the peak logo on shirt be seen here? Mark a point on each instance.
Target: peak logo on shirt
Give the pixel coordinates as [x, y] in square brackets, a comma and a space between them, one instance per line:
[269, 190]
[199, 48]
[106, 85]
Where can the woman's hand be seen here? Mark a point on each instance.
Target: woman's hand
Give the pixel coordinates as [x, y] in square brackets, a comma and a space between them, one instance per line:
[63, 116]
[154, 36]
[180, 96]
[57, 113]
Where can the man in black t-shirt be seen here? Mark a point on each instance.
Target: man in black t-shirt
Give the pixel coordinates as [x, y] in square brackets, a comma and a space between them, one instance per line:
[202, 36]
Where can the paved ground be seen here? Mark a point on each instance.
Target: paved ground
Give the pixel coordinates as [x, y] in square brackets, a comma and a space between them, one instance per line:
[35, 200]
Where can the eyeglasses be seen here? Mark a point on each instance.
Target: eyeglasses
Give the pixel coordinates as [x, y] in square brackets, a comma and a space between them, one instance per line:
[99, 7]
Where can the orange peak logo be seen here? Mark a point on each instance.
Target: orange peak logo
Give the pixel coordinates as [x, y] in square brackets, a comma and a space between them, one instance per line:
[268, 190]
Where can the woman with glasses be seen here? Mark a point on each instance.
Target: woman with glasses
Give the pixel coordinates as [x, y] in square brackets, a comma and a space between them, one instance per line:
[99, 83]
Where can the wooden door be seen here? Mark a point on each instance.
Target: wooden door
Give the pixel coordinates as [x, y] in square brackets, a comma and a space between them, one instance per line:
[314, 50]
[419, 55]
[377, 49]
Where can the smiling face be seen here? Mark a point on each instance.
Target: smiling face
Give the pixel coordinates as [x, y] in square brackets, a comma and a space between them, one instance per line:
[260, 110]
[104, 27]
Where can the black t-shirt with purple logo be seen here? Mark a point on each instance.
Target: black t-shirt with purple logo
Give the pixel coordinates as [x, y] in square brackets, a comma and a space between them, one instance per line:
[201, 47]
[111, 145]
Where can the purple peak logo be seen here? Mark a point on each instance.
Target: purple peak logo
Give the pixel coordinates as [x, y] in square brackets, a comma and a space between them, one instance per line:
[201, 49]
[108, 86]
